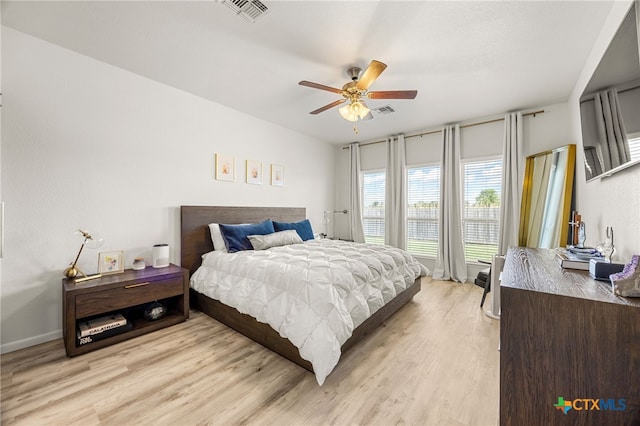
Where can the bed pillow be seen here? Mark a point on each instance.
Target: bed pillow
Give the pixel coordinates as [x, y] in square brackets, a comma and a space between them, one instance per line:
[281, 238]
[235, 236]
[303, 228]
[216, 238]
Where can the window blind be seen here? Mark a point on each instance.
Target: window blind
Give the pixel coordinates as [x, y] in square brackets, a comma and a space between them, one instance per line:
[423, 192]
[634, 147]
[482, 183]
[373, 192]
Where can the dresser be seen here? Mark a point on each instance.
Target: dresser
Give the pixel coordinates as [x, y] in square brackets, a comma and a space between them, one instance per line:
[565, 341]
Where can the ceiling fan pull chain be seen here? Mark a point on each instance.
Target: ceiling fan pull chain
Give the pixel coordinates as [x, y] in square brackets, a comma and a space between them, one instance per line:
[355, 128]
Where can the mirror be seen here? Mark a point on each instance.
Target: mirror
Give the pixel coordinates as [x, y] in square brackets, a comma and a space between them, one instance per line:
[546, 198]
[610, 103]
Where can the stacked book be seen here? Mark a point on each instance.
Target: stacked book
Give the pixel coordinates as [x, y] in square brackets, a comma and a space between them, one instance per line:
[100, 328]
[577, 257]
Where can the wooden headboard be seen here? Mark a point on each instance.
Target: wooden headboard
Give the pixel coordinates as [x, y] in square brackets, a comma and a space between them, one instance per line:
[195, 239]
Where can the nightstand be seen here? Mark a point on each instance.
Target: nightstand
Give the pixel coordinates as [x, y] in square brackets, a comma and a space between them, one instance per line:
[127, 293]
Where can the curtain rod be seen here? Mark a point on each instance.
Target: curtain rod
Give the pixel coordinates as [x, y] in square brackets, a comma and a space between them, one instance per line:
[534, 113]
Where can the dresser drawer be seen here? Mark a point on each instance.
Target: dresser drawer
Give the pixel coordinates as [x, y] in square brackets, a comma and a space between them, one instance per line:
[130, 294]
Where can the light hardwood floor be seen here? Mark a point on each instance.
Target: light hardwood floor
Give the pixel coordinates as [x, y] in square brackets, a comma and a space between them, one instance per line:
[435, 362]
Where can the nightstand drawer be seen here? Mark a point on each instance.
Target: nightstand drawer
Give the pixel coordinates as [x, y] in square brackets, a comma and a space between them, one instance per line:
[133, 293]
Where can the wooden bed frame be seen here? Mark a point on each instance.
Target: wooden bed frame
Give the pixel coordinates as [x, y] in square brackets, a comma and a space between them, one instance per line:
[195, 240]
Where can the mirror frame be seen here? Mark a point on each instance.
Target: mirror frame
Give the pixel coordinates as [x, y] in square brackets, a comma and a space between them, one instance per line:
[527, 188]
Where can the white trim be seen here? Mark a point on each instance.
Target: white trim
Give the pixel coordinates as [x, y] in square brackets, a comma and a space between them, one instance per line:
[419, 165]
[30, 341]
[478, 159]
[376, 170]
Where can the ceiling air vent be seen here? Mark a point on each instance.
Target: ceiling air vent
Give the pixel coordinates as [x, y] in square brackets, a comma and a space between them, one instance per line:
[250, 10]
[386, 109]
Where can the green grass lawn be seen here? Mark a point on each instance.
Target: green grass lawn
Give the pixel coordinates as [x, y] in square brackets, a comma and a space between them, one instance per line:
[472, 252]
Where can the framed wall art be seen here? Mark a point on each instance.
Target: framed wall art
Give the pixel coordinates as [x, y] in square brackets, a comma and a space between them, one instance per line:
[254, 172]
[225, 168]
[277, 175]
[111, 262]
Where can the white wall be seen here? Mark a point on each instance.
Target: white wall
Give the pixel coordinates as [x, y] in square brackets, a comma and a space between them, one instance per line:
[88, 144]
[542, 132]
[612, 201]
[549, 130]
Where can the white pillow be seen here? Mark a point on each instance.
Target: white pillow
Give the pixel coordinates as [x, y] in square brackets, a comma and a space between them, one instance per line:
[216, 238]
[281, 238]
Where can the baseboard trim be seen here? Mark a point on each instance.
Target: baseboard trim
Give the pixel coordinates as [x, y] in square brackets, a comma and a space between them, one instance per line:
[31, 341]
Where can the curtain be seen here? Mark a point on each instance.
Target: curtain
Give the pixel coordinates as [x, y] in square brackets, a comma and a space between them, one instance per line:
[512, 170]
[395, 210]
[356, 233]
[612, 136]
[450, 261]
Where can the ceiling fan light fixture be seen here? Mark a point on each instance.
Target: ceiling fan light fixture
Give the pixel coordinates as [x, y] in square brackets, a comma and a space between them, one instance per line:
[347, 114]
[354, 111]
[360, 109]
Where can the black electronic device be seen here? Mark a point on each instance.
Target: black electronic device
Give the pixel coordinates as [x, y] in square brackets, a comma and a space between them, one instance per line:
[601, 270]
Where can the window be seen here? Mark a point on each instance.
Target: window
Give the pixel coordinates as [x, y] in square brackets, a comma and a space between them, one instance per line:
[481, 218]
[423, 193]
[373, 189]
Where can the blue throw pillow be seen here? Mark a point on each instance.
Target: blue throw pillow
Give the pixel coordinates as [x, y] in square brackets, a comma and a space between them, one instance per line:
[235, 236]
[302, 228]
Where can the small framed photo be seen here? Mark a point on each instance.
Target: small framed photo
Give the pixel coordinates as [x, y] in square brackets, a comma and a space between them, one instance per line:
[225, 168]
[277, 175]
[111, 262]
[254, 172]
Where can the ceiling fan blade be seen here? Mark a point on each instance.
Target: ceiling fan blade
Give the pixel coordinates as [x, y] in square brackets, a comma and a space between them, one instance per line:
[326, 107]
[393, 94]
[369, 75]
[320, 86]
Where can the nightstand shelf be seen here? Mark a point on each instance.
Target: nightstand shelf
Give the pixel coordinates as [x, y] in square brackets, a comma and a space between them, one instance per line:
[128, 293]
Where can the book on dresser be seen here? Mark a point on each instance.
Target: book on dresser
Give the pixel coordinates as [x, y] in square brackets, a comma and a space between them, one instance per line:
[83, 340]
[576, 257]
[568, 262]
[101, 324]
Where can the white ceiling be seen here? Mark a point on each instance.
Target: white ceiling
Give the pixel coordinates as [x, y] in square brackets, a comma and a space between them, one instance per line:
[466, 59]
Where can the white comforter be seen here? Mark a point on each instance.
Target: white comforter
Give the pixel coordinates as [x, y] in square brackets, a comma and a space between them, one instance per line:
[313, 294]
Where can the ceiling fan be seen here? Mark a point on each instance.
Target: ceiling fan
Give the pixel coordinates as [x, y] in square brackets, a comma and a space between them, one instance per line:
[357, 89]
